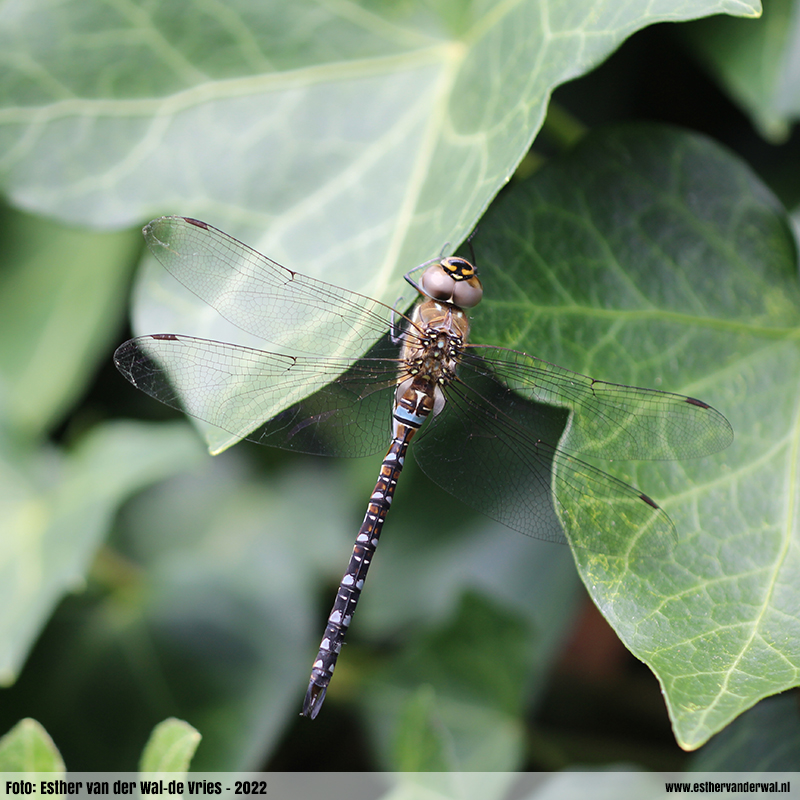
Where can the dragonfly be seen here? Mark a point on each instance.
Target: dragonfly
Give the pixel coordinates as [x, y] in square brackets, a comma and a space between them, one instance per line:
[499, 429]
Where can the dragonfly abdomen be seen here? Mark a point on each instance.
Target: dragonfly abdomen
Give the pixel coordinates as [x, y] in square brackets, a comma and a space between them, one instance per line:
[428, 365]
[353, 580]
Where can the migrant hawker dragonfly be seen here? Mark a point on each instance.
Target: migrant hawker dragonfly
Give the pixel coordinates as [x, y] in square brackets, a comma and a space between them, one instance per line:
[501, 428]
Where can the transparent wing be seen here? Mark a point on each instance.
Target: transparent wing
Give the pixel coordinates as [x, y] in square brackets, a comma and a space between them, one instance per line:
[609, 420]
[291, 311]
[498, 452]
[238, 388]
[503, 442]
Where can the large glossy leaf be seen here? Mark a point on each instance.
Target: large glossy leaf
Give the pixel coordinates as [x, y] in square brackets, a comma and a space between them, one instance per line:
[351, 155]
[359, 135]
[651, 257]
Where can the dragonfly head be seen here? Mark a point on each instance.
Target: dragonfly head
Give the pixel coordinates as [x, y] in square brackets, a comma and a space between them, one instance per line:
[452, 280]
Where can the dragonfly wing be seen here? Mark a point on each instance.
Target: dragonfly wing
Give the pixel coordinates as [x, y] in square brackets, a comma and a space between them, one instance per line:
[264, 396]
[498, 452]
[293, 312]
[609, 420]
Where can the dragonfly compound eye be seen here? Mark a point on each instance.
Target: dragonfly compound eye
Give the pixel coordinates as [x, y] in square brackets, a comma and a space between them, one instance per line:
[438, 284]
[469, 293]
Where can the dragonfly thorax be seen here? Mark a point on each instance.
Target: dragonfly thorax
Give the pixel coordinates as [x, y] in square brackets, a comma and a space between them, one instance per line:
[431, 349]
[434, 341]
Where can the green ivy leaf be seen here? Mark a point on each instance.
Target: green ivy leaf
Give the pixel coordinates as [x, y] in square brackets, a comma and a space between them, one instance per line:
[357, 153]
[361, 136]
[649, 256]
[170, 747]
[28, 748]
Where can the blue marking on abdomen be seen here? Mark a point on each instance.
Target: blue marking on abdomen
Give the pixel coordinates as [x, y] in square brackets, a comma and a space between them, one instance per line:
[407, 418]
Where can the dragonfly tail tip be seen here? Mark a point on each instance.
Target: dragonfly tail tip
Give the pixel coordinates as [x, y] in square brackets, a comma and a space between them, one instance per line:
[313, 700]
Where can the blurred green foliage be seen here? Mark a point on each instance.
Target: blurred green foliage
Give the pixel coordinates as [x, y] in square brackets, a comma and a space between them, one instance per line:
[352, 147]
